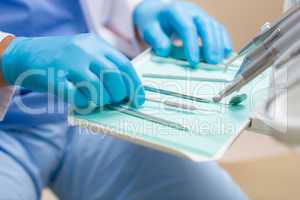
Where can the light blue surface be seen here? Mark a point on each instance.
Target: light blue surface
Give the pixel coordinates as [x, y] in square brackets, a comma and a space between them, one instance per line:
[210, 132]
[42, 150]
[32, 18]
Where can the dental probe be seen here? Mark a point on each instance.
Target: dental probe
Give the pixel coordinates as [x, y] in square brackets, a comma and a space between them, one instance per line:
[267, 31]
[260, 64]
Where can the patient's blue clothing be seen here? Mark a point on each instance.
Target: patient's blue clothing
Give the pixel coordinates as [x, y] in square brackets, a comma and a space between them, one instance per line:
[40, 150]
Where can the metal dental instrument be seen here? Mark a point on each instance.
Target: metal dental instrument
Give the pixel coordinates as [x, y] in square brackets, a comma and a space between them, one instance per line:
[144, 116]
[264, 34]
[173, 104]
[281, 30]
[258, 65]
[183, 106]
[290, 57]
[178, 77]
[188, 97]
[176, 94]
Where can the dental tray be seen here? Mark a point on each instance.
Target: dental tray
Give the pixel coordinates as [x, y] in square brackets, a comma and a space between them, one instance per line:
[211, 130]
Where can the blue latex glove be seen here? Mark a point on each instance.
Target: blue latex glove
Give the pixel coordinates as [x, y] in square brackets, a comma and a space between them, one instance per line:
[158, 20]
[80, 69]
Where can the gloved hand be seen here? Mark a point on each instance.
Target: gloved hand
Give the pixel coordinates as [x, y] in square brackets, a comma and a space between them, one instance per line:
[80, 69]
[158, 20]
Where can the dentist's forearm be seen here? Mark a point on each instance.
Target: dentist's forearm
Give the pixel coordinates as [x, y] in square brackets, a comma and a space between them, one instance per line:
[3, 45]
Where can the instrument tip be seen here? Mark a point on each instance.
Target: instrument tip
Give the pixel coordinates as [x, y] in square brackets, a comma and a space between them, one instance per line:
[217, 99]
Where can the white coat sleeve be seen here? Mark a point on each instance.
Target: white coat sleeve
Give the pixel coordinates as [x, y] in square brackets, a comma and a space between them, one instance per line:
[121, 24]
[121, 19]
[6, 93]
[112, 20]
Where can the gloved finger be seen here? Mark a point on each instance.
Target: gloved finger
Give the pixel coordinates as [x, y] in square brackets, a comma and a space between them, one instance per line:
[219, 39]
[67, 91]
[186, 30]
[111, 78]
[133, 83]
[155, 37]
[226, 41]
[209, 37]
[91, 86]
